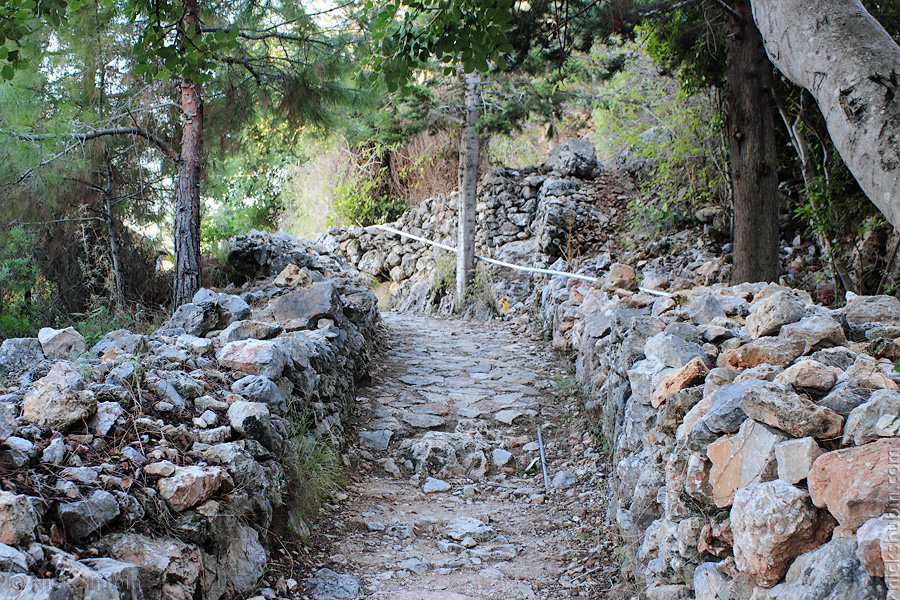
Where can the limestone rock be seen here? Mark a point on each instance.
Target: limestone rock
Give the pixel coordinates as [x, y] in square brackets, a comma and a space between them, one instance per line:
[243, 559]
[17, 354]
[18, 519]
[831, 572]
[167, 567]
[620, 277]
[863, 420]
[84, 517]
[247, 330]
[255, 357]
[872, 309]
[773, 522]
[195, 319]
[742, 459]
[253, 420]
[872, 536]
[60, 343]
[574, 156]
[765, 350]
[462, 527]
[778, 406]
[328, 585]
[856, 484]
[293, 276]
[816, 332]
[672, 351]
[795, 458]
[189, 486]
[59, 399]
[377, 440]
[232, 308]
[809, 376]
[689, 375]
[303, 308]
[888, 425]
[771, 313]
[257, 388]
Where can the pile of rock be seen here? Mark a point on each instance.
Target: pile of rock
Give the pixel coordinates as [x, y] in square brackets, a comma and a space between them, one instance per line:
[754, 435]
[152, 466]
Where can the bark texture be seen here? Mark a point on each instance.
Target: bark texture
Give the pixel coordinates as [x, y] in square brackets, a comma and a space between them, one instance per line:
[849, 63]
[750, 135]
[465, 255]
[187, 184]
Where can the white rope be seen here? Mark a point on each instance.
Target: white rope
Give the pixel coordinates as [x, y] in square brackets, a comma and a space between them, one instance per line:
[508, 265]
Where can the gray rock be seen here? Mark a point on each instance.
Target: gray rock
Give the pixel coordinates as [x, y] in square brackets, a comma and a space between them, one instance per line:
[576, 157]
[84, 517]
[8, 423]
[26, 587]
[184, 384]
[672, 351]
[253, 420]
[779, 406]
[861, 423]
[433, 485]
[123, 575]
[60, 343]
[59, 399]
[839, 357]
[872, 309]
[463, 527]
[87, 583]
[377, 440]
[234, 308]
[772, 312]
[55, 452]
[305, 307]
[166, 391]
[250, 330]
[121, 340]
[563, 480]
[163, 564]
[18, 452]
[106, 416]
[816, 331]
[243, 559]
[12, 561]
[257, 388]
[195, 319]
[724, 415]
[831, 572]
[18, 354]
[328, 585]
[705, 309]
[414, 565]
[500, 457]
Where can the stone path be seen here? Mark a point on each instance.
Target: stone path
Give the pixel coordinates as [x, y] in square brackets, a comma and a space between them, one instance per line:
[451, 503]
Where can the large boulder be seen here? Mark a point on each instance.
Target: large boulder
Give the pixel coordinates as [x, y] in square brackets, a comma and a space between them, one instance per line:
[233, 308]
[59, 399]
[772, 523]
[858, 483]
[195, 319]
[257, 388]
[863, 420]
[60, 343]
[253, 420]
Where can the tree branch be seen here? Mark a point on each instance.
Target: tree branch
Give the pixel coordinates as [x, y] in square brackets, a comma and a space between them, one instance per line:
[157, 141]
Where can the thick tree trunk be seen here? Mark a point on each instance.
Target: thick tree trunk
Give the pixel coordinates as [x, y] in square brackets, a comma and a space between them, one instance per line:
[849, 63]
[750, 135]
[465, 256]
[187, 185]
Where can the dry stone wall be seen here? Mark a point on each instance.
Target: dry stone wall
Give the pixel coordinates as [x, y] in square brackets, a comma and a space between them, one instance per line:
[753, 436]
[151, 467]
[523, 216]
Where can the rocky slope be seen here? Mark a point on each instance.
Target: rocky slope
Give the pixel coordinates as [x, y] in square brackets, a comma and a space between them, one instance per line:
[161, 466]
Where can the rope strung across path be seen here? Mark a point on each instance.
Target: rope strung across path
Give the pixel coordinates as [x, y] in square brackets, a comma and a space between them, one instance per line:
[508, 265]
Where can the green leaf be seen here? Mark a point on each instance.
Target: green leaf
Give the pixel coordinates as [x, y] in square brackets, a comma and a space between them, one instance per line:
[7, 72]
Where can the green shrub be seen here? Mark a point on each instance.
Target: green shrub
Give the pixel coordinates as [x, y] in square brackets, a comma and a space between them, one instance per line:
[356, 202]
[25, 295]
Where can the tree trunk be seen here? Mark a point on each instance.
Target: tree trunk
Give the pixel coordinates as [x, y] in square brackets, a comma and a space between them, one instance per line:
[465, 256]
[114, 250]
[750, 136]
[187, 185]
[851, 66]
